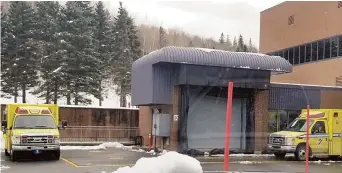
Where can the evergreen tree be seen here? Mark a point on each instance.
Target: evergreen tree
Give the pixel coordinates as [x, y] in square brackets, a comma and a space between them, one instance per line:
[126, 50]
[250, 45]
[7, 70]
[103, 37]
[235, 44]
[191, 44]
[162, 38]
[49, 14]
[21, 52]
[240, 45]
[81, 69]
[228, 42]
[222, 40]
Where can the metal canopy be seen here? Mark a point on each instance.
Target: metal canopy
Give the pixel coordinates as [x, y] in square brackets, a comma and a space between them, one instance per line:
[212, 57]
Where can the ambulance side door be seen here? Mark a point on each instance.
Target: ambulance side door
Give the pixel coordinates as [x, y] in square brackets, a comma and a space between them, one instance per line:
[319, 138]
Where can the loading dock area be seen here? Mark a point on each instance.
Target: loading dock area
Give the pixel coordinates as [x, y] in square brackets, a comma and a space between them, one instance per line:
[191, 84]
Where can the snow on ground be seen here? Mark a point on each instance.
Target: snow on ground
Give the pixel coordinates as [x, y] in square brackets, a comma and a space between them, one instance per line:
[170, 162]
[111, 99]
[248, 162]
[98, 147]
[2, 167]
[244, 155]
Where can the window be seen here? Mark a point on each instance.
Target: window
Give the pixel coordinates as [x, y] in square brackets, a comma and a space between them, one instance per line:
[296, 56]
[320, 50]
[302, 54]
[291, 55]
[319, 127]
[281, 54]
[327, 49]
[280, 119]
[339, 4]
[286, 54]
[290, 20]
[340, 46]
[308, 53]
[314, 51]
[334, 46]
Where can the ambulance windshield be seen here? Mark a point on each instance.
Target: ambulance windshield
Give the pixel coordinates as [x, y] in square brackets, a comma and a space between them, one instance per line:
[298, 125]
[34, 122]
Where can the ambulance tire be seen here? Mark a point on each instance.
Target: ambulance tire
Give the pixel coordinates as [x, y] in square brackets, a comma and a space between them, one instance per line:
[280, 155]
[300, 152]
[7, 153]
[14, 156]
[56, 155]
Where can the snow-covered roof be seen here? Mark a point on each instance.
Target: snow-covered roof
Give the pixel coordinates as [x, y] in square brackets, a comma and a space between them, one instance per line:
[213, 57]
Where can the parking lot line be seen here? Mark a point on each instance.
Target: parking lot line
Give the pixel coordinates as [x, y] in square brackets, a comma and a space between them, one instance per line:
[70, 162]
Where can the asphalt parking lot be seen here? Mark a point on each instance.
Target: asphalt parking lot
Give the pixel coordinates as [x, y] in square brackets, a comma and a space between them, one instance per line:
[107, 161]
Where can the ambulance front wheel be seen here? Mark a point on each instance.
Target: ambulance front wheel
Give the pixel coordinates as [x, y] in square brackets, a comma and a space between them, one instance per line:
[7, 153]
[300, 153]
[14, 156]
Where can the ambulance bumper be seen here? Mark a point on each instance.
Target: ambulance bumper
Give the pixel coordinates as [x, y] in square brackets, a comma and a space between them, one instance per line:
[281, 149]
[31, 148]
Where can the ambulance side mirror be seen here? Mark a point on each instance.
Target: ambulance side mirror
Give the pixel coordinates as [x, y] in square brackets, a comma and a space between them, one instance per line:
[64, 124]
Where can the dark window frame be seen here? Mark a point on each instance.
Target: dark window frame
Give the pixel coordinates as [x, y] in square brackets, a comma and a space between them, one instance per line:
[339, 51]
[334, 53]
[308, 53]
[315, 47]
[327, 55]
[302, 54]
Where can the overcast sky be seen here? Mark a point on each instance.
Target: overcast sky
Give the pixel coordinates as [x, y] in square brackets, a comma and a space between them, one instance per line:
[199, 17]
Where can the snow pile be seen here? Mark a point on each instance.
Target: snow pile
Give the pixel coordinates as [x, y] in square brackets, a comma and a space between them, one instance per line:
[246, 162]
[318, 162]
[2, 142]
[139, 151]
[98, 147]
[2, 167]
[171, 162]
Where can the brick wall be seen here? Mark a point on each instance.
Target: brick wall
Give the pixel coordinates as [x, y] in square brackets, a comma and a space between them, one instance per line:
[331, 99]
[261, 119]
[145, 122]
[175, 111]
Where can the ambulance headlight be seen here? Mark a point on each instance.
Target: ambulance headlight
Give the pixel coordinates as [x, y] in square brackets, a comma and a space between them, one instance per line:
[289, 141]
[15, 140]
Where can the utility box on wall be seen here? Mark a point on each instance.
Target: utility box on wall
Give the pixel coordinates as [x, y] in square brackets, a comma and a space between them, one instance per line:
[161, 125]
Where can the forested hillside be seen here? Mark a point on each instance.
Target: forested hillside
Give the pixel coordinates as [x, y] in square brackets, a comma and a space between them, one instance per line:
[78, 52]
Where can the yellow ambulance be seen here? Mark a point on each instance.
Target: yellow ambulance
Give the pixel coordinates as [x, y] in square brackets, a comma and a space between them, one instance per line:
[32, 129]
[325, 135]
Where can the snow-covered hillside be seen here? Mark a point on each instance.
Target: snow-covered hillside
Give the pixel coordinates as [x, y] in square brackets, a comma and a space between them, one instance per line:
[111, 99]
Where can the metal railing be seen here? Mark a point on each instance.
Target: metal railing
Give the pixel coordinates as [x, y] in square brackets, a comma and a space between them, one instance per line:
[98, 134]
